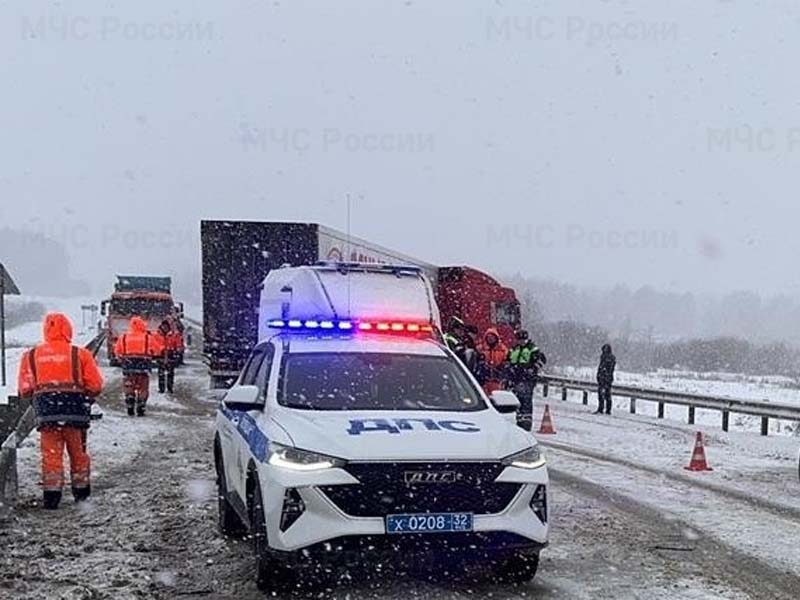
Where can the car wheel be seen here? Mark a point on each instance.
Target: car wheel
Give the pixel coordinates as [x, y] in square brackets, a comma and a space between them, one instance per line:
[270, 574]
[517, 569]
[230, 525]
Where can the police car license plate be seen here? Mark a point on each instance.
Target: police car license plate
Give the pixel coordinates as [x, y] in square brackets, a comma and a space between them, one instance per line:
[428, 523]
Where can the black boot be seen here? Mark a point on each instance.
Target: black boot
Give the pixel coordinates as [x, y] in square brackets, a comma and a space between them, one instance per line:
[51, 500]
[129, 402]
[81, 494]
[140, 409]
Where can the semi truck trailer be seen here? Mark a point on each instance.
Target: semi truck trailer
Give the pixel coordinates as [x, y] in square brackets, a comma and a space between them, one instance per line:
[238, 255]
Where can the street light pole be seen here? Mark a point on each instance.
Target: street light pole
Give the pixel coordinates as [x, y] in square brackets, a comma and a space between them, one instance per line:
[3, 324]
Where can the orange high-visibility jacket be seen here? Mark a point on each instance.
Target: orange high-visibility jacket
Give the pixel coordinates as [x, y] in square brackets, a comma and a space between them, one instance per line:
[138, 342]
[495, 355]
[56, 365]
[61, 378]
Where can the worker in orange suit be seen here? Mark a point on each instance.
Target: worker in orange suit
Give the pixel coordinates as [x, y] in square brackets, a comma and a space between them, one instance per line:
[62, 382]
[137, 349]
[492, 353]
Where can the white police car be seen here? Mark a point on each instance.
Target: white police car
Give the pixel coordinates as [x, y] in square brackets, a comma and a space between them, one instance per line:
[345, 437]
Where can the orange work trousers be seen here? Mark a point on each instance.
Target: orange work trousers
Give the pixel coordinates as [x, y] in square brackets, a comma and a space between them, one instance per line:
[53, 440]
[137, 387]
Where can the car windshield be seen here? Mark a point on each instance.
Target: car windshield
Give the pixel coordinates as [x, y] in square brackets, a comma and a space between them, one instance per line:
[369, 381]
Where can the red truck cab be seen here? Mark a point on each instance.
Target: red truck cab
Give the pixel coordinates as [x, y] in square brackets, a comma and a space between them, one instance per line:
[147, 297]
[479, 300]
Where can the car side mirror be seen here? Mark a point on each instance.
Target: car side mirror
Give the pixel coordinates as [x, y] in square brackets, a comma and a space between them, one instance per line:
[505, 402]
[244, 397]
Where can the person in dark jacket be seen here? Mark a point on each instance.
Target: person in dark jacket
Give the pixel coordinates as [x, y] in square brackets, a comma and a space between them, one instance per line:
[172, 341]
[524, 361]
[605, 379]
[459, 338]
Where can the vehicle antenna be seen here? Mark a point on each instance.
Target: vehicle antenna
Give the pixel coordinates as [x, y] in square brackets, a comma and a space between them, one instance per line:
[349, 253]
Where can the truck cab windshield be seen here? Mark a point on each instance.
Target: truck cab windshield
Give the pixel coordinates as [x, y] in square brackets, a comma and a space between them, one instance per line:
[141, 306]
[371, 381]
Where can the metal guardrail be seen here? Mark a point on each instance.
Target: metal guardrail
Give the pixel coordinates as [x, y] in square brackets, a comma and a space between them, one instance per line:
[764, 409]
[24, 427]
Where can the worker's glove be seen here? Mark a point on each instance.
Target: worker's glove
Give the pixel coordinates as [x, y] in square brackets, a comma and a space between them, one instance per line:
[95, 413]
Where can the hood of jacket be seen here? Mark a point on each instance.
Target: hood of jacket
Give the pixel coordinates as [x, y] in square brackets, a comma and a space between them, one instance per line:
[491, 331]
[137, 325]
[57, 328]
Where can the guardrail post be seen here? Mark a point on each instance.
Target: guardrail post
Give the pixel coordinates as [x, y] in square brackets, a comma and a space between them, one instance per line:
[764, 425]
[660, 410]
[633, 406]
[726, 416]
[691, 415]
[585, 397]
[564, 391]
[545, 389]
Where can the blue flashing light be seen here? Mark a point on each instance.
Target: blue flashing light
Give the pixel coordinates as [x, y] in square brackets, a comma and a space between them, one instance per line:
[347, 326]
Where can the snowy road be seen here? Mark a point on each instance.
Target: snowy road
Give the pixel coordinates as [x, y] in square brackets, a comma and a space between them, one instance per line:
[622, 528]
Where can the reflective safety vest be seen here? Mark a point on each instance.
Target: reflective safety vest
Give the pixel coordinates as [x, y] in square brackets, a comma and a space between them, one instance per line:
[137, 350]
[522, 355]
[59, 395]
[452, 341]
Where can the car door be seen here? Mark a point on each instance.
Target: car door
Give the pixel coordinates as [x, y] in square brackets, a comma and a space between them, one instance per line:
[238, 457]
[257, 422]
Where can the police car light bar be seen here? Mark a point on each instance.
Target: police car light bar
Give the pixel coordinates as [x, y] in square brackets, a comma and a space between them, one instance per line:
[348, 326]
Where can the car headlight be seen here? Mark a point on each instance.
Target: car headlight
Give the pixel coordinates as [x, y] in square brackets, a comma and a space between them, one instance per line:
[532, 458]
[295, 459]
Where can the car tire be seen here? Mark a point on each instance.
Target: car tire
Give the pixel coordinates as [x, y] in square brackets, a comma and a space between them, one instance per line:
[228, 521]
[517, 569]
[270, 574]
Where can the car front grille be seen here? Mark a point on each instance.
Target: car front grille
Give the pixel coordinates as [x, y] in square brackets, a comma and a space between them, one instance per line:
[396, 488]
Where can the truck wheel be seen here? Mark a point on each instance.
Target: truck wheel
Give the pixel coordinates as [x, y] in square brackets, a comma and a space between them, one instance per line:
[230, 525]
[270, 574]
[517, 569]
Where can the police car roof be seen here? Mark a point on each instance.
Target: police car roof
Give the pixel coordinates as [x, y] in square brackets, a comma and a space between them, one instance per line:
[366, 343]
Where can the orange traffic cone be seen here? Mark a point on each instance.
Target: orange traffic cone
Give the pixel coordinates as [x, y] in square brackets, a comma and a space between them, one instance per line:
[547, 422]
[698, 462]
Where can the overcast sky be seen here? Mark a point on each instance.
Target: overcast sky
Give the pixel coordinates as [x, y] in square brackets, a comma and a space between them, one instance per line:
[642, 142]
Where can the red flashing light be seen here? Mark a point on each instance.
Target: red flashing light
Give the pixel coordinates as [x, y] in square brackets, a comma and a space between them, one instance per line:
[345, 326]
[395, 327]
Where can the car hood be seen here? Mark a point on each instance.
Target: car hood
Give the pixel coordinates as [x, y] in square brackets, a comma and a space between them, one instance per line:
[404, 435]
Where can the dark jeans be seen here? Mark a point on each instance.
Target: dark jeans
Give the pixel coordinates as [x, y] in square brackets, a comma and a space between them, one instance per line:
[524, 392]
[604, 398]
[166, 377]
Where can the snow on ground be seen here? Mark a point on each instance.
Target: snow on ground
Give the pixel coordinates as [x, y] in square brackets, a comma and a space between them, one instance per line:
[113, 442]
[740, 387]
[762, 466]
[149, 531]
[743, 387]
[750, 500]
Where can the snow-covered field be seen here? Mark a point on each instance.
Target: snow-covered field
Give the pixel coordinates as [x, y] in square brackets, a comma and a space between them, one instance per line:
[776, 389]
